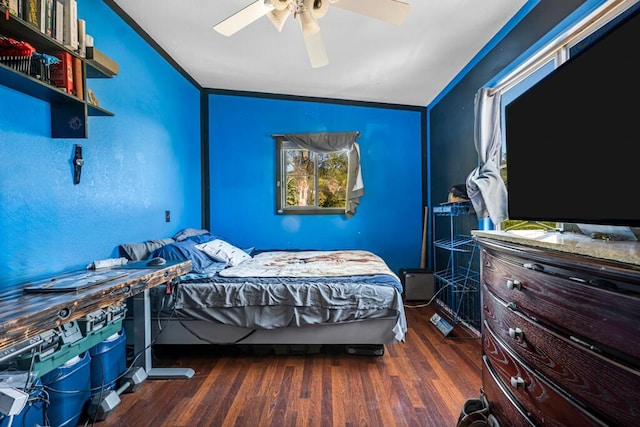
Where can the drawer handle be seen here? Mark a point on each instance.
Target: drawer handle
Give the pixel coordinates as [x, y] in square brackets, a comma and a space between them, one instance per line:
[585, 344]
[517, 382]
[516, 333]
[514, 284]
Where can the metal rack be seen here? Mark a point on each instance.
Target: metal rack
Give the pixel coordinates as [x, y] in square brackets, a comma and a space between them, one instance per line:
[456, 276]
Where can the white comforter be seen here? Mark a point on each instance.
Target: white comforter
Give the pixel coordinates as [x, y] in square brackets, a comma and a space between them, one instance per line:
[309, 264]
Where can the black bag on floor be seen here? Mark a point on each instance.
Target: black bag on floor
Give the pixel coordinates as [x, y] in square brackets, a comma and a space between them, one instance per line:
[475, 413]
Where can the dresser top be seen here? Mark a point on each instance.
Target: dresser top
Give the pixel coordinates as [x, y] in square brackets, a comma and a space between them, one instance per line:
[627, 252]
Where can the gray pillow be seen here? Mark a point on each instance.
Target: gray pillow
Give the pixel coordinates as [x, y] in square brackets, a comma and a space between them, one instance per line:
[140, 251]
[188, 232]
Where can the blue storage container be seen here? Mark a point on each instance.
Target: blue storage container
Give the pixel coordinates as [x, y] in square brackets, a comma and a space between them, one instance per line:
[69, 388]
[108, 362]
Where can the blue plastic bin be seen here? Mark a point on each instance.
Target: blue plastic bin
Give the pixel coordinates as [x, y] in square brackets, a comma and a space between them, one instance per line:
[69, 388]
[108, 362]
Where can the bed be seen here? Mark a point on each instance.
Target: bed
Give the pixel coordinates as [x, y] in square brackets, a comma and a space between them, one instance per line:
[295, 300]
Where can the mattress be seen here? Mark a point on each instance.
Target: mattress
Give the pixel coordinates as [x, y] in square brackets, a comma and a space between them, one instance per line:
[283, 289]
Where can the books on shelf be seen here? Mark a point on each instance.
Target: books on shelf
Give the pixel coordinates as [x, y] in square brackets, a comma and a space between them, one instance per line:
[77, 77]
[46, 16]
[62, 72]
[70, 24]
[82, 32]
[15, 7]
[59, 21]
[38, 13]
[31, 12]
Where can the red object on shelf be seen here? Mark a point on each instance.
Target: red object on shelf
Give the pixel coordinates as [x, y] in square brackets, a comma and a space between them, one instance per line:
[13, 47]
[62, 72]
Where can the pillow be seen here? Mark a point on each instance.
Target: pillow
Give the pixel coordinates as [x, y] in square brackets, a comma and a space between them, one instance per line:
[184, 251]
[188, 232]
[140, 251]
[201, 238]
[220, 250]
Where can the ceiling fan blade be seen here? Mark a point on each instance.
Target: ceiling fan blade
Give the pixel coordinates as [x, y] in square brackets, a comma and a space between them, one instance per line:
[315, 50]
[392, 11]
[312, 39]
[243, 17]
[278, 17]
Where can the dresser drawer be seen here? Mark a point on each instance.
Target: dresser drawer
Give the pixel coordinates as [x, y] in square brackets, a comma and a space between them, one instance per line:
[502, 404]
[603, 318]
[542, 401]
[604, 386]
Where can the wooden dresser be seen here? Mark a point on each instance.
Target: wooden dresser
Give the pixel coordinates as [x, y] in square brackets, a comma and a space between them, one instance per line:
[561, 329]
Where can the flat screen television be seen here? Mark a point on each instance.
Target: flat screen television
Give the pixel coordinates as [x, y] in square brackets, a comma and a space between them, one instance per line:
[572, 139]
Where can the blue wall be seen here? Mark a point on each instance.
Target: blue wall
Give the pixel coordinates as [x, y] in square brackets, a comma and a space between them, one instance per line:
[139, 163]
[242, 162]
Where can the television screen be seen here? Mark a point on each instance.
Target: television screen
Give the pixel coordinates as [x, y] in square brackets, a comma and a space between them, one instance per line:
[572, 139]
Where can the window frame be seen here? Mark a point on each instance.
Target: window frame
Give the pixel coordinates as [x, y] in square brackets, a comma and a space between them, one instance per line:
[281, 174]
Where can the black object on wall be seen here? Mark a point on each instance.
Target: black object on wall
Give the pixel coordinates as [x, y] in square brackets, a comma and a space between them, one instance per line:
[78, 162]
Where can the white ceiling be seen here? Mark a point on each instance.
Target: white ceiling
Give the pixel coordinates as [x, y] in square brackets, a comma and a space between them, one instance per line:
[369, 60]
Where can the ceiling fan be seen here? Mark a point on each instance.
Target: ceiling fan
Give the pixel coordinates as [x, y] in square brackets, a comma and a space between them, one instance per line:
[308, 12]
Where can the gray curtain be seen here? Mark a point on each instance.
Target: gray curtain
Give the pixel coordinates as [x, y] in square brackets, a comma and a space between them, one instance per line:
[327, 142]
[485, 187]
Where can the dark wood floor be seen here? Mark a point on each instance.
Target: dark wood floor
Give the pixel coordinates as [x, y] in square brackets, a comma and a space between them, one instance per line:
[421, 382]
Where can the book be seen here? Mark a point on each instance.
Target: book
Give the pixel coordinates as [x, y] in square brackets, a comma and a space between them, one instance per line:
[46, 17]
[77, 77]
[14, 7]
[82, 32]
[70, 24]
[59, 21]
[41, 12]
[62, 72]
[31, 12]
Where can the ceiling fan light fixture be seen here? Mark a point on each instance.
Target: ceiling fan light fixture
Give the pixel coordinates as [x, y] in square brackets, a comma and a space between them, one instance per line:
[319, 8]
[308, 23]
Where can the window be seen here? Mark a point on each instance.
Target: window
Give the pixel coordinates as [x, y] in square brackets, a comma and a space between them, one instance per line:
[310, 182]
[318, 173]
